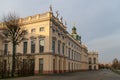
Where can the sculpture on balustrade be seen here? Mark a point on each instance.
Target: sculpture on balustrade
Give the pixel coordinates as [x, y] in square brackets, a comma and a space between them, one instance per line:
[65, 23]
[50, 8]
[61, 19]
[57, 14]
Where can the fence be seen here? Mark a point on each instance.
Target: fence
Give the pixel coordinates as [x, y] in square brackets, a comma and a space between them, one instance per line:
[24, 65]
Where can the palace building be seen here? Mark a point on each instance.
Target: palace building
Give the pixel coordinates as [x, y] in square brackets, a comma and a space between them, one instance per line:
[49, 46]
[93, 60]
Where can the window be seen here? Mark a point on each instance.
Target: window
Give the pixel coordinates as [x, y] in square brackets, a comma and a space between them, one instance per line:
[69, 43]
[41, 65]
[54, 65]
[59, 65]
[63, 37]
[69, 53]
[59, 47]
[58, 34]
[90, 61]
[80, 57]
[4, 65]
[69, 66]
[94, 60]
[53, 30]
[72, 45]
[32, 46]
[32, 30]
[5, 48]
[72, 66]
[41, 45]
[77, 56]
[72, 54]
[25, 47]
[41, 29]
[63, 46]
[94, 67]
[53, 46]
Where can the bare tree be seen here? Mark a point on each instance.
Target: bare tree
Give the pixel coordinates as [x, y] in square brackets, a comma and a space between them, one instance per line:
[115, 64]
[15, 33]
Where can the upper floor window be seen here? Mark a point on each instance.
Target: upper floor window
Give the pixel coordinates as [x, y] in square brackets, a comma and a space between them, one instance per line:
[69, 43]
[59, 34]
[75, 55]
[41, 45]
[25, 47]
[32, 46]
[72, 45]
[94, 60]
[72, 54]
[53, 46]
[63, 37]
[90, 61]
[53, 30]
[42, 29]
[33, 30]
[80, 57]
[5, 48]
[59, 47]
[69, 53]
[63, 47]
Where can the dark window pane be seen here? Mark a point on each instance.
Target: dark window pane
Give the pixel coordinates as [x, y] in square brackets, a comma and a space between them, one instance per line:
[33, 46]
[41, 45]
[41, 65]
[5, 49]
[53, 46]
[24, 47]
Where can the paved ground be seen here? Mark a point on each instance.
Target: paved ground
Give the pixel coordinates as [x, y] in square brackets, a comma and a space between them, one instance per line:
[86, 75]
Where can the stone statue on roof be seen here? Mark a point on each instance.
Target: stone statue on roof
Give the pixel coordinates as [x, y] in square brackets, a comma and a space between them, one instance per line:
[57, 14]
[65, 22]
[61, 19]
[50, 8]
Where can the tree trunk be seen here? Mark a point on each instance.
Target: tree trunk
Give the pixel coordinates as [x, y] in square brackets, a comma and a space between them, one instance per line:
[13, 59]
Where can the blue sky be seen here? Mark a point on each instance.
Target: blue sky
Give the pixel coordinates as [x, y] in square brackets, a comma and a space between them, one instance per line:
[97, 21]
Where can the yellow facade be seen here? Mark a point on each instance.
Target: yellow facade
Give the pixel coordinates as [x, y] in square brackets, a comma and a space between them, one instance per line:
[60, 52]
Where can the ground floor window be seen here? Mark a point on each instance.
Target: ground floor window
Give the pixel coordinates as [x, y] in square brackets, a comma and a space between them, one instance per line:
[90, 67]
[69, 66]
[5, 48]
[94, 67]
[54, 65]
[41, 65]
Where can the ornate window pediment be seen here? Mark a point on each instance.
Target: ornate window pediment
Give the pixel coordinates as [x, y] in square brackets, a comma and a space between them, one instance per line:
[41, 36]
[32, 37]
[6, 41]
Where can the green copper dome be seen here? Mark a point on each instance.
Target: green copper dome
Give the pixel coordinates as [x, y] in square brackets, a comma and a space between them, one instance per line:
[75, 35]
[74, 28]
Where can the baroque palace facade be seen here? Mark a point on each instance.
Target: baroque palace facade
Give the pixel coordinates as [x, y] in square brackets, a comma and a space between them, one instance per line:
[53, 48]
